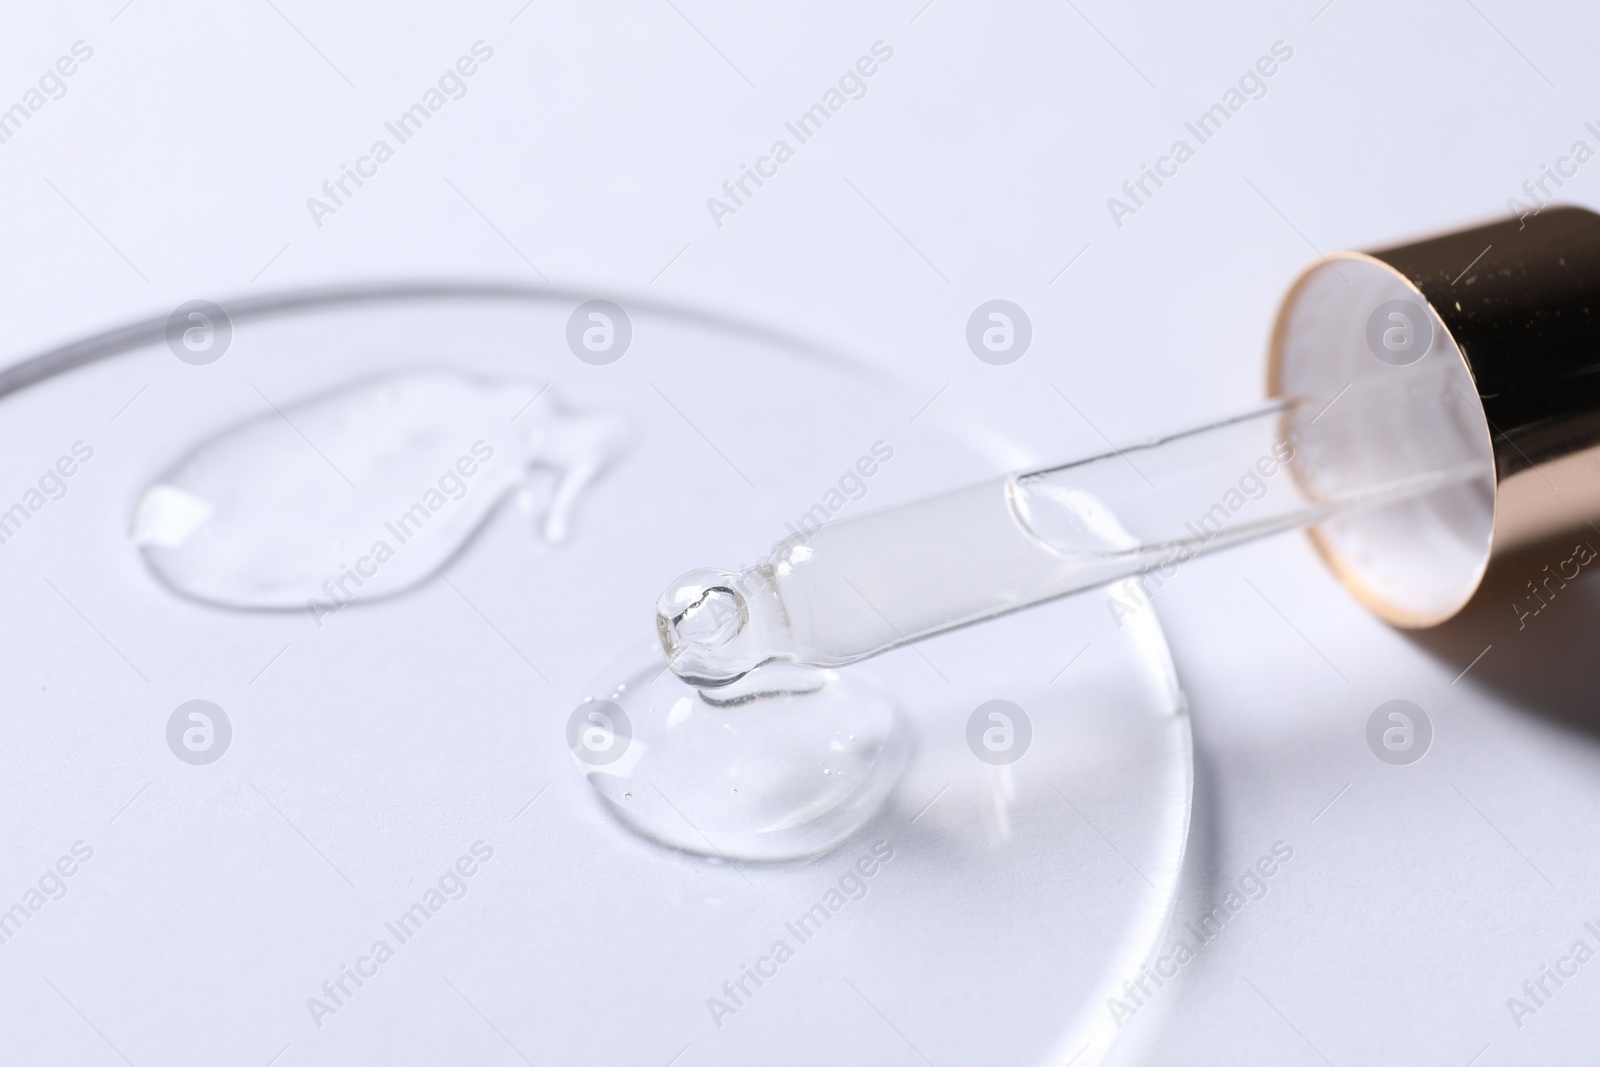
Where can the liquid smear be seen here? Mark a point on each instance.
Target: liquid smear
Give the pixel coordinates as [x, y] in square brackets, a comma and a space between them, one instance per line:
[785, 763]
[365, 491]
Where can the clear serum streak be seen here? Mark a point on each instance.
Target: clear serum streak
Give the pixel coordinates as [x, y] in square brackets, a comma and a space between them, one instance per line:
[364, 491]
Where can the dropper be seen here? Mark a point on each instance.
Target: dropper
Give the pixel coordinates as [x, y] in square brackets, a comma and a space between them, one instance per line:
[1381, 438]
[858, 587]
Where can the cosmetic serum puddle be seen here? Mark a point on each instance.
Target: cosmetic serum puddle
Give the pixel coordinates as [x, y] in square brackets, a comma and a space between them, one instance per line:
[784, 763]
[366, 490]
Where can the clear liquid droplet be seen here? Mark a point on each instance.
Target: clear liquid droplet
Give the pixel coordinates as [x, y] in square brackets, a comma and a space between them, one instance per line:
[738, 777]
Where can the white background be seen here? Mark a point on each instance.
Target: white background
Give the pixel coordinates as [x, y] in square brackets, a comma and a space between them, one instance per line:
[977, 166]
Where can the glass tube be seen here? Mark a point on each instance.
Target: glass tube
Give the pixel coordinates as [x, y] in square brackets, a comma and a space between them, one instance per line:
[847, 590]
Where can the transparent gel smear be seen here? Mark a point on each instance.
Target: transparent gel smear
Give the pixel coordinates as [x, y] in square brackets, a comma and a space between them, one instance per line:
[365, 490]
[785, 763]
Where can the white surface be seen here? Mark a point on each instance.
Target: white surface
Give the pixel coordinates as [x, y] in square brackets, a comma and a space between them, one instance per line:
[1424, 896]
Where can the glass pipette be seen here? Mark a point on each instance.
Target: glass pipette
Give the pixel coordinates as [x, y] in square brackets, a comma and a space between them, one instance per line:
[851, 589]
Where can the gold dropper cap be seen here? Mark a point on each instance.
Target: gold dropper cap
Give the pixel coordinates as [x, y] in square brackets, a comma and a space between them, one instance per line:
[1509, 313]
